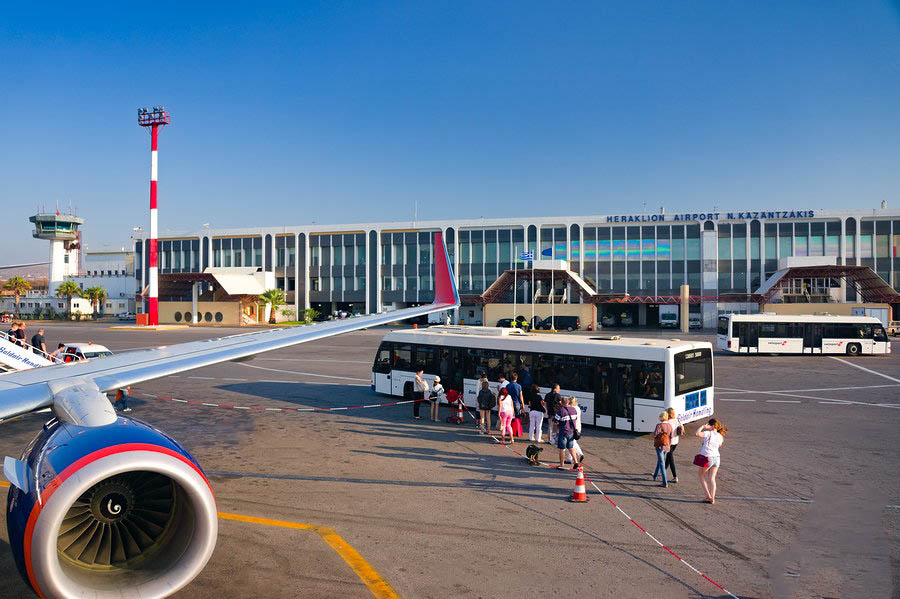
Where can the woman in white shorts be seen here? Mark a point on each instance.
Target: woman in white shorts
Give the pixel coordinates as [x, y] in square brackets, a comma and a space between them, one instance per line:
[713, 435]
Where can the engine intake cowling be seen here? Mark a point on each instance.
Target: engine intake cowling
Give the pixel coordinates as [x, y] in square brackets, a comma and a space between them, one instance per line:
[120, 510]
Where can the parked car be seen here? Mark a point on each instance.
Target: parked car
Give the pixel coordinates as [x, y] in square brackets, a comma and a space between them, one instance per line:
[507, 323]
[568, 323]
[695, 321]
[127, 316]
[625, 319]
[608, 320]
[84, 351]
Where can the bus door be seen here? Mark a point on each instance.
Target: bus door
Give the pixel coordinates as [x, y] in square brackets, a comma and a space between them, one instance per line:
[401, 368]
[604, 393]
[381, 371]
[748, 338]
[812, 338]
[623, 414]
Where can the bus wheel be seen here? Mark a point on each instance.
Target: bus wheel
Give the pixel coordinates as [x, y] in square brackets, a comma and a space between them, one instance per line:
[854, 349]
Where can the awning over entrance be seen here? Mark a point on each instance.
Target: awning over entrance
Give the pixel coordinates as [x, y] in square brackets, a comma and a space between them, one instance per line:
[233, 282]
[868, 285]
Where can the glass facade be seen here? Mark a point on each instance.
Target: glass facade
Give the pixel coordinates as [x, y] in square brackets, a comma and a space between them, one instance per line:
[640, 258]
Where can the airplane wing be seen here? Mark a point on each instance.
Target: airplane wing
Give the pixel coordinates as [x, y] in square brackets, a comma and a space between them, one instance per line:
[74, 389]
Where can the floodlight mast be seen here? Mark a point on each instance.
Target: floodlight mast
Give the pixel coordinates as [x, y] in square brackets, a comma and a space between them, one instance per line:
[154, 119]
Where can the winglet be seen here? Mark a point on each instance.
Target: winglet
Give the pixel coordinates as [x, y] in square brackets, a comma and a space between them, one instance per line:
[444, 283]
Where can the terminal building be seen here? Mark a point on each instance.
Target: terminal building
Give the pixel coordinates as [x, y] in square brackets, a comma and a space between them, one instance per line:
[618, 264]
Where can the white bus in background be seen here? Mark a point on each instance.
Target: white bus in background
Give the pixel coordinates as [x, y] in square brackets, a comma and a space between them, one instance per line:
[621, 384]
[802, 334]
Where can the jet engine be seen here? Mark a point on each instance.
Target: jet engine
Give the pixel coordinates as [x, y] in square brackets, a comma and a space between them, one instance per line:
[120, 510]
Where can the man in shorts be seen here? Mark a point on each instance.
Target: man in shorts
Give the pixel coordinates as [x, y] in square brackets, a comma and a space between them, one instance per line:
[565, 419]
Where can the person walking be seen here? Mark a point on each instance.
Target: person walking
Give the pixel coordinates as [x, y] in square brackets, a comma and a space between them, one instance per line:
[501, 383]
[661, 436]
[11, 333]
[121, 402]
[420, 388]
[573, 401]
[515, 392]
[37, 343]
[537, 410]
[565, 419]
[713, 435]
[552, 401]
[506, 413]
[486, 402]
[436, 397]
[678, 429]
[20, 334]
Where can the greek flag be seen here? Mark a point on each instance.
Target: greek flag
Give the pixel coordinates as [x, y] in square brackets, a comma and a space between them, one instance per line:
[526, 256]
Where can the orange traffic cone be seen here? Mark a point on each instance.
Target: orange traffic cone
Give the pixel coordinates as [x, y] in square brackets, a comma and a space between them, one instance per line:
[580, 494]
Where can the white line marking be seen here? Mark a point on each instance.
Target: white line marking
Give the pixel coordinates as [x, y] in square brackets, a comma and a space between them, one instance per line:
[782, 401]
[324, 376]
[232, 379]
[312, 360]
[204, 378]
[727, 390]
[724, 399]
[890, 378]
[784, 394]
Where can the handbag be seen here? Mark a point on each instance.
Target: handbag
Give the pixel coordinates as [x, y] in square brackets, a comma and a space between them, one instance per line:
[577, 434]
[701, 460]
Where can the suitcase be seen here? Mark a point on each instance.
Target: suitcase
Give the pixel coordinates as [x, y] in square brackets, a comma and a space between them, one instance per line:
[516, 427]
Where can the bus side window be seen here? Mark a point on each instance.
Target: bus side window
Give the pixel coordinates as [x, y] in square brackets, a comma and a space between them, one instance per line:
[767, 329]
[650, 379]
[880, 334]
[402, 357]
[424, 359]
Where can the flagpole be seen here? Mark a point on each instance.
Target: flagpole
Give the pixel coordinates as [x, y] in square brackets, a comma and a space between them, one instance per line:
[532, 289]
[515, 265]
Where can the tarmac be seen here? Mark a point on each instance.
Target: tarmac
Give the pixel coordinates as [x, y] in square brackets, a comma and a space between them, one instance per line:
[370, 502]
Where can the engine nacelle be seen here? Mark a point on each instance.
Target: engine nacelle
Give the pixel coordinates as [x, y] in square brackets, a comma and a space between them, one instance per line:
[112, 511]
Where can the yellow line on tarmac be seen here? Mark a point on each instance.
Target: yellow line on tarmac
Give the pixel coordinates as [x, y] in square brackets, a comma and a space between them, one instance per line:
[370, 577]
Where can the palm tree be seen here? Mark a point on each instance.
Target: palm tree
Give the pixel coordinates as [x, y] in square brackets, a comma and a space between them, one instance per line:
[18, 286]
[68, 290]
[96, 295]
[273, 298]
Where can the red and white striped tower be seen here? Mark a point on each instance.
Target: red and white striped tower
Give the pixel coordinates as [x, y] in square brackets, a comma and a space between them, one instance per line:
[155, 118]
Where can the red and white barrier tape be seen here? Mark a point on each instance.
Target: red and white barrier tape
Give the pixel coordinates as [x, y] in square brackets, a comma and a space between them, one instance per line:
[258, 409]
[606, 497]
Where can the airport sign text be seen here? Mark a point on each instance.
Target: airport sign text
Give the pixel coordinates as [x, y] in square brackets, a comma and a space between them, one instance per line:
[701, 216]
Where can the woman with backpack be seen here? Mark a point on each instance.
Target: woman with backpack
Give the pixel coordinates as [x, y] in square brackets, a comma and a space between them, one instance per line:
[661, 442]
[437, 396]
[673, 442]
[486, 402]
[713, 435]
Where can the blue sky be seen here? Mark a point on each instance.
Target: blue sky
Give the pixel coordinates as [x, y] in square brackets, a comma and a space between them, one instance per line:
[350, 112]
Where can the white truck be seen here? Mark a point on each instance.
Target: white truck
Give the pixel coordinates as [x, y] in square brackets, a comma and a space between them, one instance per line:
[668, 317]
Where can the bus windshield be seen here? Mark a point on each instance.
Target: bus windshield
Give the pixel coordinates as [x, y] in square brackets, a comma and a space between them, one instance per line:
[723, 325]
[693, 370]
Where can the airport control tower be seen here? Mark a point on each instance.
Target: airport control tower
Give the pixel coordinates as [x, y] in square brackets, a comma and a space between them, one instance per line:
[61, 230]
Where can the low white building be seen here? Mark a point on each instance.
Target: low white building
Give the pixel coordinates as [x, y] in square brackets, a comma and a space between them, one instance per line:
[113, 270]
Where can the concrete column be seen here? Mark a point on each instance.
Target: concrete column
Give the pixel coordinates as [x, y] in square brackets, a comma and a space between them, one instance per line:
[194, 293]
[57, 271]
[684, 308]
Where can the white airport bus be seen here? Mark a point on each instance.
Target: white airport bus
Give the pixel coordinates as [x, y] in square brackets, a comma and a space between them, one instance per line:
[621, 384]
[803, 334]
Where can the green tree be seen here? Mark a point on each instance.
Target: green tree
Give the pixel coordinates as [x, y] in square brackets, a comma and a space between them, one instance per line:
[68, 290]
[273, 298]
[18, 286]
[310, 314]
[97, 295]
